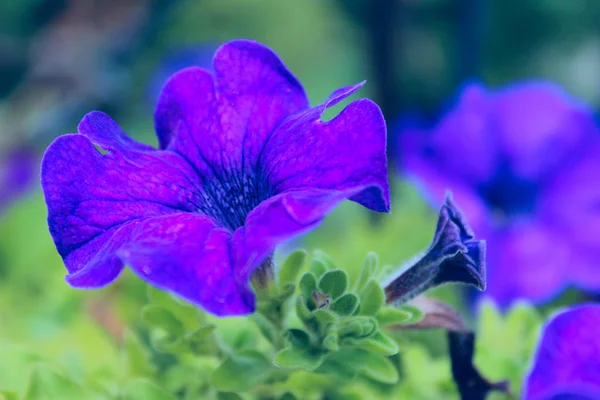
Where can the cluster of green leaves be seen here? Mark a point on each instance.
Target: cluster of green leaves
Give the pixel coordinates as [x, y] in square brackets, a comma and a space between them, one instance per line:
[506, 343]
[342, 329]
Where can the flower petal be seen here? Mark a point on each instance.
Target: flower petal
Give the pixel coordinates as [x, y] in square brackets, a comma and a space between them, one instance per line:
[184, 253]
[570, 199]
[189, 255]
[464, 131]
[567, 361]
[569, 203]
[342, 154]
[18, 167]
[434, 183]
[224, 121]
[527, 260]
[538, 126]
[90, 195]
[279, 219]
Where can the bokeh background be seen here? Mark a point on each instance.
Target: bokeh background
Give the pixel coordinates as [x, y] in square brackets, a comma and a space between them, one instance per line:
[60, 59]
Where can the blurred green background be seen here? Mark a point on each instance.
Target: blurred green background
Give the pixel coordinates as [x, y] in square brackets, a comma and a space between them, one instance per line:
[61, 59]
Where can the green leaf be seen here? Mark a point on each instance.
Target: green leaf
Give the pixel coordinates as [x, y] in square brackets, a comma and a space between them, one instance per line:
[241, 372]
[137, 358]
[506, 343]
[290, 268]
[15, 364]
[357, 327]
[379, 343]
[346, 304]
[143, 389]
[368, 270]
[416, 314]
[333, 283]
[189, 374]
[376, 367]
[318, 267]
[324, 258]
[9, 396]
[286, 292]
[331, 342]
[168, 331]
[301, 310]
[325, 317]
[161, 318]
[265, 326]
[47, 384]
[393, 316]
[372, 298]
[308, 284]
[292, 358]
[186, 313]
[349, 362]
[288, 396]
[198, 339]
[228, 396]
[296, 338]
[243, 339]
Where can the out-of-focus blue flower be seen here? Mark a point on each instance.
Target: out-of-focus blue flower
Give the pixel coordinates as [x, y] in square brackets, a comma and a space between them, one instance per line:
[524, 163]
[567, 361]
[18, 169]
[244, 164]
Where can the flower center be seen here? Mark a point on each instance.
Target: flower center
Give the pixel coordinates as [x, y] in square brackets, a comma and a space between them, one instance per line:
[510, 196]
[230, 198]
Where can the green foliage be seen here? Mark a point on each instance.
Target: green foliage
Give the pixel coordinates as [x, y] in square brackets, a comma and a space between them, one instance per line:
[369, 269]
[294, 357]
[393, 316]
[339, 323]
[506, 343]
[241, 371]
[308, 284]
[374, 366]
[290, 269]
[346, 304]
[379, 343]
[228, 396]
[136, 356]
[372, 297]
[47, 384]
[333, 283]
[143, 389]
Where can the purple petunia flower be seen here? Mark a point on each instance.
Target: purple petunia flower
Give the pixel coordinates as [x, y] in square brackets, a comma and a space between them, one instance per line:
[17, 171]
[567, 361]
[243, 165]
[524, 163]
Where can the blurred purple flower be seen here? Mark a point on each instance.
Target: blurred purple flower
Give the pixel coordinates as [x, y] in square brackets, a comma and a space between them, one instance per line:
[567, 361]
[524, 163]
[244, 164]
[18, 169]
